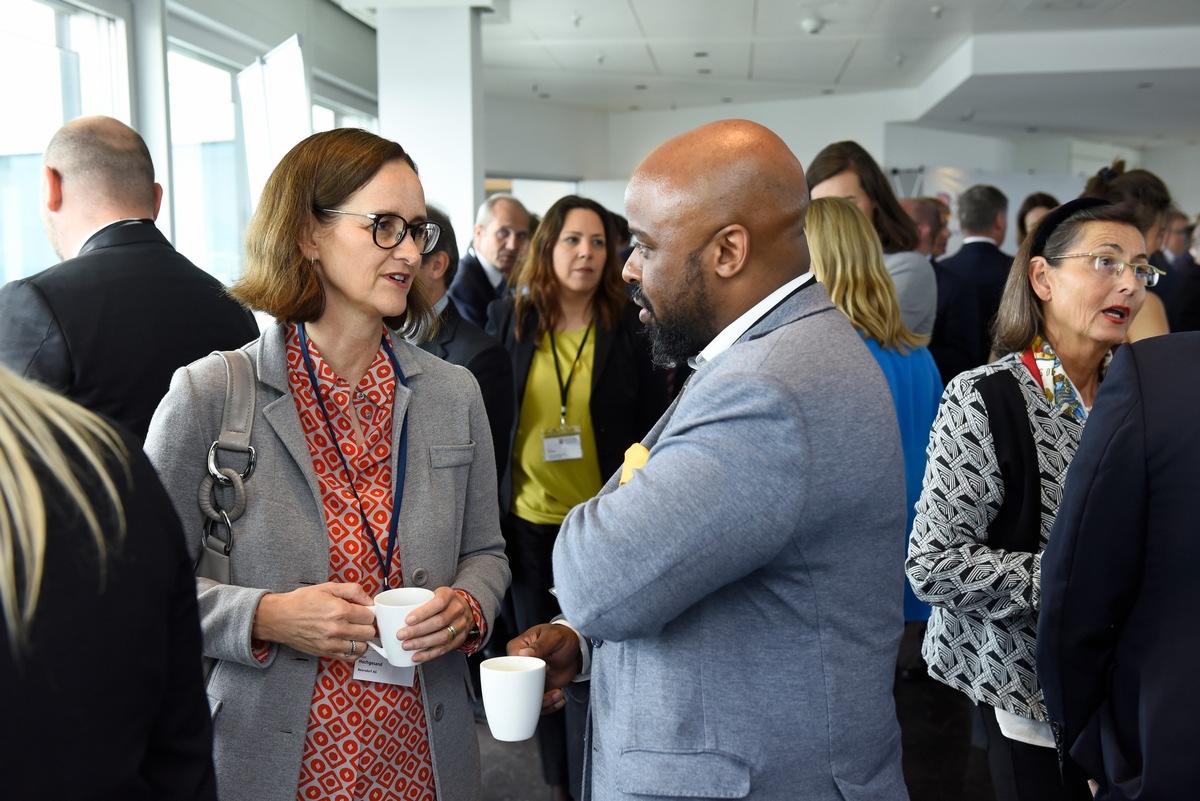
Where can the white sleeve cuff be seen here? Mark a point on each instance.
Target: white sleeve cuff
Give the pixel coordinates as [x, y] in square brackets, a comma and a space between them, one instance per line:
[585, 652]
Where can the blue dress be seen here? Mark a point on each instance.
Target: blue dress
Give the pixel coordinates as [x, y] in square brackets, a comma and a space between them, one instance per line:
[916, 390]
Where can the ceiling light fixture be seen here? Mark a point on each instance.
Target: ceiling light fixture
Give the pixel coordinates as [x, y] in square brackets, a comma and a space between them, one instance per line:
[812, 25]
[600, 59]
[576, 19]
[937, 11]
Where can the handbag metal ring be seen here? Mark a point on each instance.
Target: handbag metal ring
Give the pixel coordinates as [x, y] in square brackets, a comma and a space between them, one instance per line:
[215, 471]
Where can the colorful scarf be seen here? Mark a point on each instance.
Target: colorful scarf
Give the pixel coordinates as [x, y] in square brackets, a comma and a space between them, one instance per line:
[1060, 392]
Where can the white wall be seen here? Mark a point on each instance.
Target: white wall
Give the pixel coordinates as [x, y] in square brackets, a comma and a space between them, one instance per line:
[1180, 168]
[805, 125]
[912, 146]
[530, 139]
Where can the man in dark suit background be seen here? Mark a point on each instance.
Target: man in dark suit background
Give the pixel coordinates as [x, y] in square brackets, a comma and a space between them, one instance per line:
[501, 237]
[109, 325]
[461, 342]
[971, 282]
[1117, 636]
[926, 213]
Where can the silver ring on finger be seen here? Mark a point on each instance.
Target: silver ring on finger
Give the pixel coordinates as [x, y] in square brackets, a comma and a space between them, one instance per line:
[453, 631]
[353, 648]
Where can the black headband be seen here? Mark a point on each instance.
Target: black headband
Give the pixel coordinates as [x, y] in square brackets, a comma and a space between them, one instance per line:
[1048, 224]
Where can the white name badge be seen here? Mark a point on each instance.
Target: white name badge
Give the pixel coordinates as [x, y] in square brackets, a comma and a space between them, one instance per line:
[562, 444]
[371, 666]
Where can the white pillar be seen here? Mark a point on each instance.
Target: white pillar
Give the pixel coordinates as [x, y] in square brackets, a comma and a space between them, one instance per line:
[431, 100]
[151, 109]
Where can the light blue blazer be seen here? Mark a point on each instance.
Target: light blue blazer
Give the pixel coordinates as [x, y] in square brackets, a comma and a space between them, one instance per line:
[746, 583]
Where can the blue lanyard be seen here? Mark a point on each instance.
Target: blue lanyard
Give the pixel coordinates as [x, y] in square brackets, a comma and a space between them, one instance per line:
[401, 460]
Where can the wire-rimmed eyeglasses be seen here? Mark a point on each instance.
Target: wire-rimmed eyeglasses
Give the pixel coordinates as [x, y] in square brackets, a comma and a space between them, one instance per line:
[1109, 264]
[388, 230]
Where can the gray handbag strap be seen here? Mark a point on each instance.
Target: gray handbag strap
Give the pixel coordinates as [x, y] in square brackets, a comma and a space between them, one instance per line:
[240, 391]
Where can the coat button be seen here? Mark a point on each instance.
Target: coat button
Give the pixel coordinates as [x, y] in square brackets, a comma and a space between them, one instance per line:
[420, 576]
[438, 709]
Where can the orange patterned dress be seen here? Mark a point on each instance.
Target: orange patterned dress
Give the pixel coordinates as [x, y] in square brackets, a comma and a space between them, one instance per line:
[365, 740]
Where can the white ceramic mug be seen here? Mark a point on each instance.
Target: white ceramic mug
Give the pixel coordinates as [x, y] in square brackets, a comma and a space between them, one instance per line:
[512, 695]
[391, 607]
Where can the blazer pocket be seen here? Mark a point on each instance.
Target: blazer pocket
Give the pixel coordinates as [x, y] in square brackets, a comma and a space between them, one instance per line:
[699, 774]
[451, 455]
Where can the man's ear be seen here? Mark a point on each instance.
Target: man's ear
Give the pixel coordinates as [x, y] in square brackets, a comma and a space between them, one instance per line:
[51, 189]
[437, 264]
[1039, 278]
[157, 199]
[732, 245]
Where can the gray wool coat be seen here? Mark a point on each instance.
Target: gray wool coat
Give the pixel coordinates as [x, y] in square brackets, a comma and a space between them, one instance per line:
[746, 584]
[449, 535]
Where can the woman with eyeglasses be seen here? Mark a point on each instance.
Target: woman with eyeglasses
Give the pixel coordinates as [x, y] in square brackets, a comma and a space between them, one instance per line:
[586, 390]
[998, 453]
[374, 470]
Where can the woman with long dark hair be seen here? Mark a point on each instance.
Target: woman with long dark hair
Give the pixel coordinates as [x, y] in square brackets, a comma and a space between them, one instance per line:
[846, 170]
[586, 390]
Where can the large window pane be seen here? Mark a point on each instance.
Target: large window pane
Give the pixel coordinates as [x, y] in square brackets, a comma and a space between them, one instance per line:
[59, 63]
[209, 192]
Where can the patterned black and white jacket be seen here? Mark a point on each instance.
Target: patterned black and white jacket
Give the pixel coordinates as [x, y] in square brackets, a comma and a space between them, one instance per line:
[997, 457]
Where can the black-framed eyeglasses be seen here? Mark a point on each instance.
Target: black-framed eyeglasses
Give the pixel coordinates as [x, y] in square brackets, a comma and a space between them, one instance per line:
[1108, 264]
[388, 230]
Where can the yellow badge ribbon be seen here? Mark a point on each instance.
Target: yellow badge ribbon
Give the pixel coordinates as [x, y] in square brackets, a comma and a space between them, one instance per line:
[635, 459]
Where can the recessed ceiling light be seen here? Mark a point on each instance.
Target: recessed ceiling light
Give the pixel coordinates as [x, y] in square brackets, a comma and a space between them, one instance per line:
[726, 99]
[544, 95]
[1146, 85]
[641, 87]
[700, 54]
[826, 91]
[704, 71]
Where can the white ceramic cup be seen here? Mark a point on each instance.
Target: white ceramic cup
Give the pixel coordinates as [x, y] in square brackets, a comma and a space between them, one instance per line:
[512, 695]
[391, 607]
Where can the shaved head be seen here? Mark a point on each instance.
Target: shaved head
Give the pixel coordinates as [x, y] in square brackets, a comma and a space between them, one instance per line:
[718, 214]
[732, 171]
[106, 160]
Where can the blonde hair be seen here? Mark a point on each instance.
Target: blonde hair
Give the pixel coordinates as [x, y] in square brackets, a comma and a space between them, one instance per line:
[46, 442]
[848, 259]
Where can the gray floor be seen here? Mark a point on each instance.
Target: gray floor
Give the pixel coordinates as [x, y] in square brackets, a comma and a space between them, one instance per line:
[510, 770]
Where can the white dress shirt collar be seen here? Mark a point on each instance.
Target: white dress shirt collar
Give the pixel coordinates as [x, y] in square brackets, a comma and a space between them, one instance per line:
[733, 332]
[494, 276]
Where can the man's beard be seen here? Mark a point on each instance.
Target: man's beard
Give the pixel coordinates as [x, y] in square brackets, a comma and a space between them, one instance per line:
[684, 331]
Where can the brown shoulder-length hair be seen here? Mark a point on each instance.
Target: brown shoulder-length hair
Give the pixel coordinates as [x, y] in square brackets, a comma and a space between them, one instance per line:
[1020, 320]
[537, 302]
[321, 172]
[1140, 190]
[897, 232]
[1037, 199]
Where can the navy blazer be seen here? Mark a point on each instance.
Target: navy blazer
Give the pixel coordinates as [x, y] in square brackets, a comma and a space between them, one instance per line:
[970, 285]
[472, 290]
[628, 393]
[461, 342]
[1119, 630]
[109, 327]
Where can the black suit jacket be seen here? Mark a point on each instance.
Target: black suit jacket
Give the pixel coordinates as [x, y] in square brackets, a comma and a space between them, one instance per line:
[111, 674]
[471, 290]
[969, 286]
[1182, 301]
[463, 343]
[109, 327]
[1119, 627]
[628, 393]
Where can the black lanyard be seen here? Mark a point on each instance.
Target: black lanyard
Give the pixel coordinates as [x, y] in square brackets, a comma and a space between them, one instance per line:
[401, 460]
[563, 389]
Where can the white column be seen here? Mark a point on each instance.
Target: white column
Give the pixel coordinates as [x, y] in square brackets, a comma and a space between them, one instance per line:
[431, 101]
[151, 114]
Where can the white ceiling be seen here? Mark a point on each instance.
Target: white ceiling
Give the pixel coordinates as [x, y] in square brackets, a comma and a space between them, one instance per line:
[622, 55]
